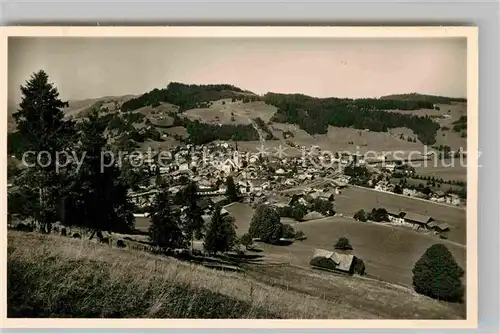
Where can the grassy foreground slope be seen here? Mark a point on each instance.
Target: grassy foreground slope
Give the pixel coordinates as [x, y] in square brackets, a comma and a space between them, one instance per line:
[53, 276]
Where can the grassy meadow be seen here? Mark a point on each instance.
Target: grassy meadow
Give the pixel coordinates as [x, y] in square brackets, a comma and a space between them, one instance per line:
[55, 276]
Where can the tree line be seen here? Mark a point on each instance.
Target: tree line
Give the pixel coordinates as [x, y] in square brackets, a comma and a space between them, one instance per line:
[434, 99]
[202, 133]
[185, 96]
[314, 115]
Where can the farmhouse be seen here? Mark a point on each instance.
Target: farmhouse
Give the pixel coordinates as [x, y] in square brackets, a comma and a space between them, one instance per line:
[395, 216]
[418, 220]
[343, 263]
[438, 227]
[414, 220]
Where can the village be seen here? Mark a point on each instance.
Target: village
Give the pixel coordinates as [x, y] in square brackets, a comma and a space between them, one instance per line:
[284, 181]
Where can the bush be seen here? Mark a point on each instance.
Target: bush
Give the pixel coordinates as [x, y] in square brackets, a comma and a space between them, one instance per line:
[378, 215]
[360, 215]
[342, 244]
[24, 228]
[359, 267]
[437, 275]
[299, 235]
[120, 243]
[288, 232]
[246, 240]
[323, 206]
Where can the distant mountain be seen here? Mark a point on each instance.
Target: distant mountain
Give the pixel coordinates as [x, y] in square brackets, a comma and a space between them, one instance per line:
[423, 98]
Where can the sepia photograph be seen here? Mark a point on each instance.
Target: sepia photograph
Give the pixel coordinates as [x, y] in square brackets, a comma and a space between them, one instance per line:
[241, 174]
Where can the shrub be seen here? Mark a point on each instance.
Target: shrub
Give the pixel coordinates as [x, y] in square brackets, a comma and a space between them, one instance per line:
[120, 243]
[437, 275]
[359, 267]
[299, 235]
[378, 215]
[342, 244]
[288, 232]
[360, 215]
[24, 228]
[323, 206]
[246, 240]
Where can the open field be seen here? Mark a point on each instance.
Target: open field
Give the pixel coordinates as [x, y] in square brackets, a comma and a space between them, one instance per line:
[221, 112]
[453, 112]
[348, 139]
[353, 199]
[85, 279]
[388, 252]
[455, 171]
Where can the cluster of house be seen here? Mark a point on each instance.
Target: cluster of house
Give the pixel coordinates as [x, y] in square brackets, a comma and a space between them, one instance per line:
[436, 196]
[415, 220]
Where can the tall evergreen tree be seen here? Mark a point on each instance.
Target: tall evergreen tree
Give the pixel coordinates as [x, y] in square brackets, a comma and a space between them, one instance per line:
[97, 199]
[437, 275]
[221, 234]
[193, 225]
[165, 229]
[231, 190]
[41, 126]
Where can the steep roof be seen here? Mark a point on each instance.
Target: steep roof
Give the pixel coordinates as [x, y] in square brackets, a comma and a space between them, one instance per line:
[342, 261]
[416, 217]
[393, 211]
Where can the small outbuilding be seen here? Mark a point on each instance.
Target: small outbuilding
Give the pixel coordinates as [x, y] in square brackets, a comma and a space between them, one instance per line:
[343, 263]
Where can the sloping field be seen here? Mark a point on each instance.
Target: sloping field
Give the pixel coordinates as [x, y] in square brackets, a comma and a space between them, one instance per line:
[446, 170]
[347, 139]
[53, 276]
[353, 199]
[111, 102]
[389, 252]
[453, 112]
[222, 112]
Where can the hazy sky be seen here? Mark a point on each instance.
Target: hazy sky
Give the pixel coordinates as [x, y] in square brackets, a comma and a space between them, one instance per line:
[94, 67]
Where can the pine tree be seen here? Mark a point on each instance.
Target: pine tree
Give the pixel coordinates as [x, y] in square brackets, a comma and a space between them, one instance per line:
[231, 190]
[221, 234]
[194, 223]
[437, 275]
[42, 128]
[165, 230]
[97, 197]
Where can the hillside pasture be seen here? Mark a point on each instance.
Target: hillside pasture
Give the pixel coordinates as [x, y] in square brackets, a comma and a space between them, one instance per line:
[354, 198]
[446, 169]
[388, 252]
[47, 274]
[348, 139]
[224, 111]
[450, 113]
